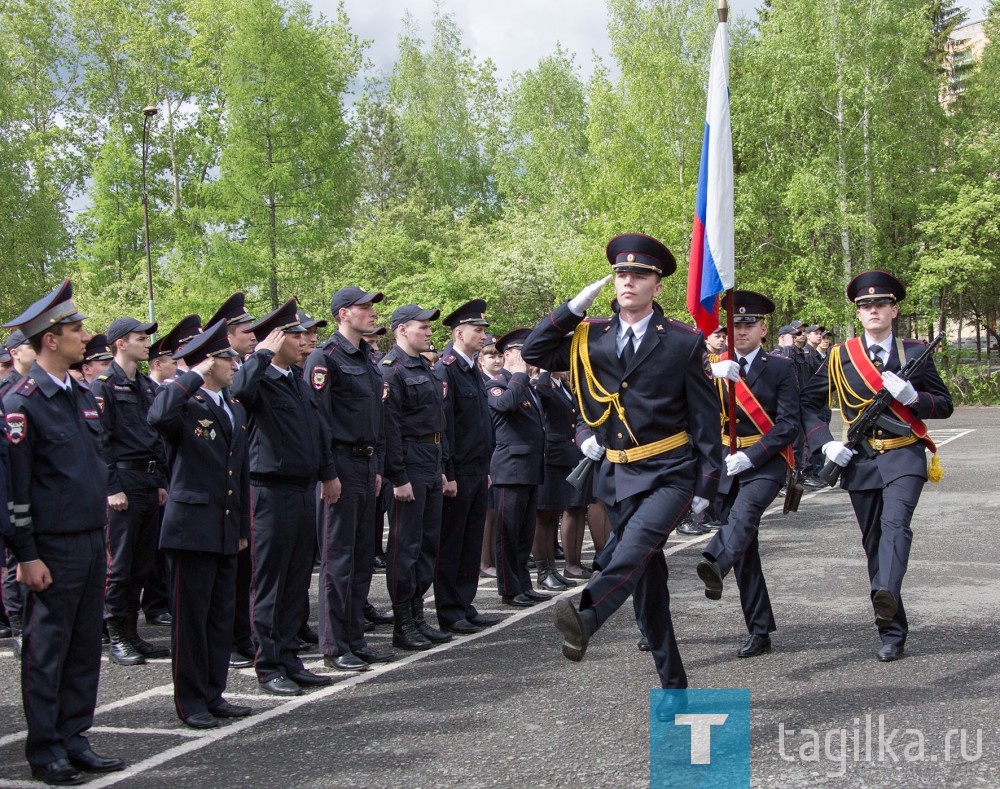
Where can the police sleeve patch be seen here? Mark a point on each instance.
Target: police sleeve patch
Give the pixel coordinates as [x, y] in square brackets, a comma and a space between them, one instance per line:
[318, 378]
[496, 391]
[17, 427]
[100, 402]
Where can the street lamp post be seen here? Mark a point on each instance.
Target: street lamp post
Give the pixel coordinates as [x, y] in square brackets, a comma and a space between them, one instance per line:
[147, 112]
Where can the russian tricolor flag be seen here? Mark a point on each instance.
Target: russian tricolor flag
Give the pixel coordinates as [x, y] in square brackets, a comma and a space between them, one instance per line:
[712, 263]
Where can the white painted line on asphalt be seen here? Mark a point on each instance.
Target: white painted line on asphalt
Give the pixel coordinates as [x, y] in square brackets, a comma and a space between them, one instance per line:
[187, 733]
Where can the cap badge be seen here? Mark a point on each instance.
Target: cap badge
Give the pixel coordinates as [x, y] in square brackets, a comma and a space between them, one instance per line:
[630, 258]
[743, 310]
[871, 290]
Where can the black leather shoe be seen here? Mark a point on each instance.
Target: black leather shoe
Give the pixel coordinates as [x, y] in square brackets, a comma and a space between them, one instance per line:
[58, 773]
[550, 583]
[379, 563]
[90, 762]
[201, 720]
[485, 620]
[691, 528]
[670, 705]
[238, 660]
[755, 645]
[370, 655]
[369, 627]
[306, 678]
[885, 607]
[518, 601]
[531, 594]
[643, 645]
[346, 662]
[281, 686]
[576, 627]
[462, 627]
[307, 634]
[226, 710]
[711, 575]
[890, 652]
[376, 617]
[165, 619]
[5, 631]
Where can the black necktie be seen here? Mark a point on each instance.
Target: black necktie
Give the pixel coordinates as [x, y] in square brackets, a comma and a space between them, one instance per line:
[876, 356]
[628, 349]
[743, 367]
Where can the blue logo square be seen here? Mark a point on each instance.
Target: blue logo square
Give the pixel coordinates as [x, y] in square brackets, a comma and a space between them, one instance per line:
[704, 741]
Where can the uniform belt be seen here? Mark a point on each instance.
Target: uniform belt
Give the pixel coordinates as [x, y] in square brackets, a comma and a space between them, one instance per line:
[361, 450]
[742, 441]
[280, 482]
[149, 466]
[430, 438]
[882, 444]
[647, 450]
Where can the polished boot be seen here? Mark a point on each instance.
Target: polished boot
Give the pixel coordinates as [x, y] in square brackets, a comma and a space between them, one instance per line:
[404, 633]
[121, 650]
[428, 632]
[376, 617]
[554, 571]
[143, 647]
[756, 645]
[548, 578]
[711, 575]
[89, 762]
[890, 652]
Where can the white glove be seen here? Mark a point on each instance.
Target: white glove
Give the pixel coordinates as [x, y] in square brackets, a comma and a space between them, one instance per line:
[584, 300]
[730, 370]
[698, 505]
[737, 463]
[901, 390]
[838, 453]
[592, 448]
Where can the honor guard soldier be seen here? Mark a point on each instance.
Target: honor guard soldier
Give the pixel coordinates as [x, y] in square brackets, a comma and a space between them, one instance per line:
[885, 483]
[206, 522]
[59, 483]
[349, 390]
[766, 421]
[655, 436]
[289, 452]
[470, 444]
[416, 454]
[137, 486]
[517, 469]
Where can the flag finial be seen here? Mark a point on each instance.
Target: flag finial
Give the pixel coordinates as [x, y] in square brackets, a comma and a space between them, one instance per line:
[723, 10]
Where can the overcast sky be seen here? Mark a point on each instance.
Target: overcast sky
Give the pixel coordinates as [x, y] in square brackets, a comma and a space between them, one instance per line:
[514, 33]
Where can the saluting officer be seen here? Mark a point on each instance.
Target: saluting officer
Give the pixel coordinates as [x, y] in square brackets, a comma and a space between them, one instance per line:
[349, 392]
[885, 487]
[767, 421]
[416, 452]
[206, 521]
[652, 418]
[289, 452]
[470, 443]
[59, 483]
[137, 486]
[517, 469]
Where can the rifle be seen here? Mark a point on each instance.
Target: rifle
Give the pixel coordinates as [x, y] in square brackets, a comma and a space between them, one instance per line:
[875, 415]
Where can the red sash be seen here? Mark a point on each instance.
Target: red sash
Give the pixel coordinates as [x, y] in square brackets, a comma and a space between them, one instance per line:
[751, 406]
[873, 380]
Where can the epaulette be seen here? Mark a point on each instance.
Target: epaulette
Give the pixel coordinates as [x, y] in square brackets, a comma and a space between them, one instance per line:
[26, 387]
[448, 360]
[776, 356]
[103, 376]
[596, 320]
[388, 360]
[682, 325]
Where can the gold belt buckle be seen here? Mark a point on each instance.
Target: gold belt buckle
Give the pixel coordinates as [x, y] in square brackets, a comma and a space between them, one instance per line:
[622, 456]
[878, 444]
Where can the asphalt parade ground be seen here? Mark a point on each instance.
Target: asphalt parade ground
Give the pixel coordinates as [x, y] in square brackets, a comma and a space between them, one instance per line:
[503, 708]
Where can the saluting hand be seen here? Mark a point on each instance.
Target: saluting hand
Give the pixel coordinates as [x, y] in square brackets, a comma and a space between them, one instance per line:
[204, 366]
[272, 342]
[585, 299]
[513, 361]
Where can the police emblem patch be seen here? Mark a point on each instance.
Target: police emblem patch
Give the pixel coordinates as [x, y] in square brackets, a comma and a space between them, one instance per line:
[100, 402]
[496, 391]
[17, 427]
[444, 386]
[318, 378]
[385, 391]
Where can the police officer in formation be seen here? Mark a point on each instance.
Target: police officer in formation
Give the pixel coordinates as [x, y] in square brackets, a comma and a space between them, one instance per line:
[289, 451]
[206, 522]
[766, 422]
[886, 485]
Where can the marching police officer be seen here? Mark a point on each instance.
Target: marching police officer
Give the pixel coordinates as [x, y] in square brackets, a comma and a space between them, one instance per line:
[59, 483]
[517, 469]
[416, 453]
[349, 391]
[766, 421]
[657, 437]
[137, 486]
[288, 453]
[206, 521]
[470, 444]
[886, 486]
